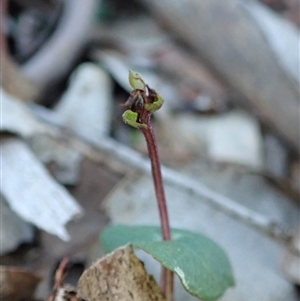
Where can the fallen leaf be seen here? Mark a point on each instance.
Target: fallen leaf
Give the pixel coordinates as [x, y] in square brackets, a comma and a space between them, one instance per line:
[17, 283]
[119, 275]
[23, 172]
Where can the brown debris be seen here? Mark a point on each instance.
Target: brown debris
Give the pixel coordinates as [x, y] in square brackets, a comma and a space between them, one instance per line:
[118, 276]
[17, 283]
[65, 293]
[61, 291]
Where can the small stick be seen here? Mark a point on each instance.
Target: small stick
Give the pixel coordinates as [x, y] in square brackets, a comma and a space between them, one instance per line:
[59, 277]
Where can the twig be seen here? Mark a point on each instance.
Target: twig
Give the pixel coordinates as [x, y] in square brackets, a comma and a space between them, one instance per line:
[61, 273]
[59, 277]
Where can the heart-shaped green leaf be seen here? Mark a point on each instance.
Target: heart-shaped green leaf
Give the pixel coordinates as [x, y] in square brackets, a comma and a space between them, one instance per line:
[200, 263]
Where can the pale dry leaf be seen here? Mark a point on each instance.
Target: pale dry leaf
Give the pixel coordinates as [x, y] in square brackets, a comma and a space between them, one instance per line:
[120, 275]
[27, 182]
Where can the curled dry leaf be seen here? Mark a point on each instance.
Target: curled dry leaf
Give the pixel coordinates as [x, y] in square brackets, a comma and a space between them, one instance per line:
[17, 283]
[120, 275]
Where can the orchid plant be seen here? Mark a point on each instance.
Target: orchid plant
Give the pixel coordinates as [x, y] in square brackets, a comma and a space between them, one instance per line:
[202, 266]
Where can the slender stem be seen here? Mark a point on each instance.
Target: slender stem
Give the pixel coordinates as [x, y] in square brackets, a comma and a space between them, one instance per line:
[158, 182]
[167, 275]
[167, 284]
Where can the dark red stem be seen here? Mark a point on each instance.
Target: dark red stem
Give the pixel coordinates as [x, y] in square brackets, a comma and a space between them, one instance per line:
[167, 275]
[157, 179]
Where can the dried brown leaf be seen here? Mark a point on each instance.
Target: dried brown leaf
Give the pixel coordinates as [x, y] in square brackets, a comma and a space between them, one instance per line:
[17, 283]
[120, 275]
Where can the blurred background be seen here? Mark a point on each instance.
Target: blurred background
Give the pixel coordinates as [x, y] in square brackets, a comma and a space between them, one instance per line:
[228, 132]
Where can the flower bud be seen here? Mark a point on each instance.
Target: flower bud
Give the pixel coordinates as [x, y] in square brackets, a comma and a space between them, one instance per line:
[136, 81]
